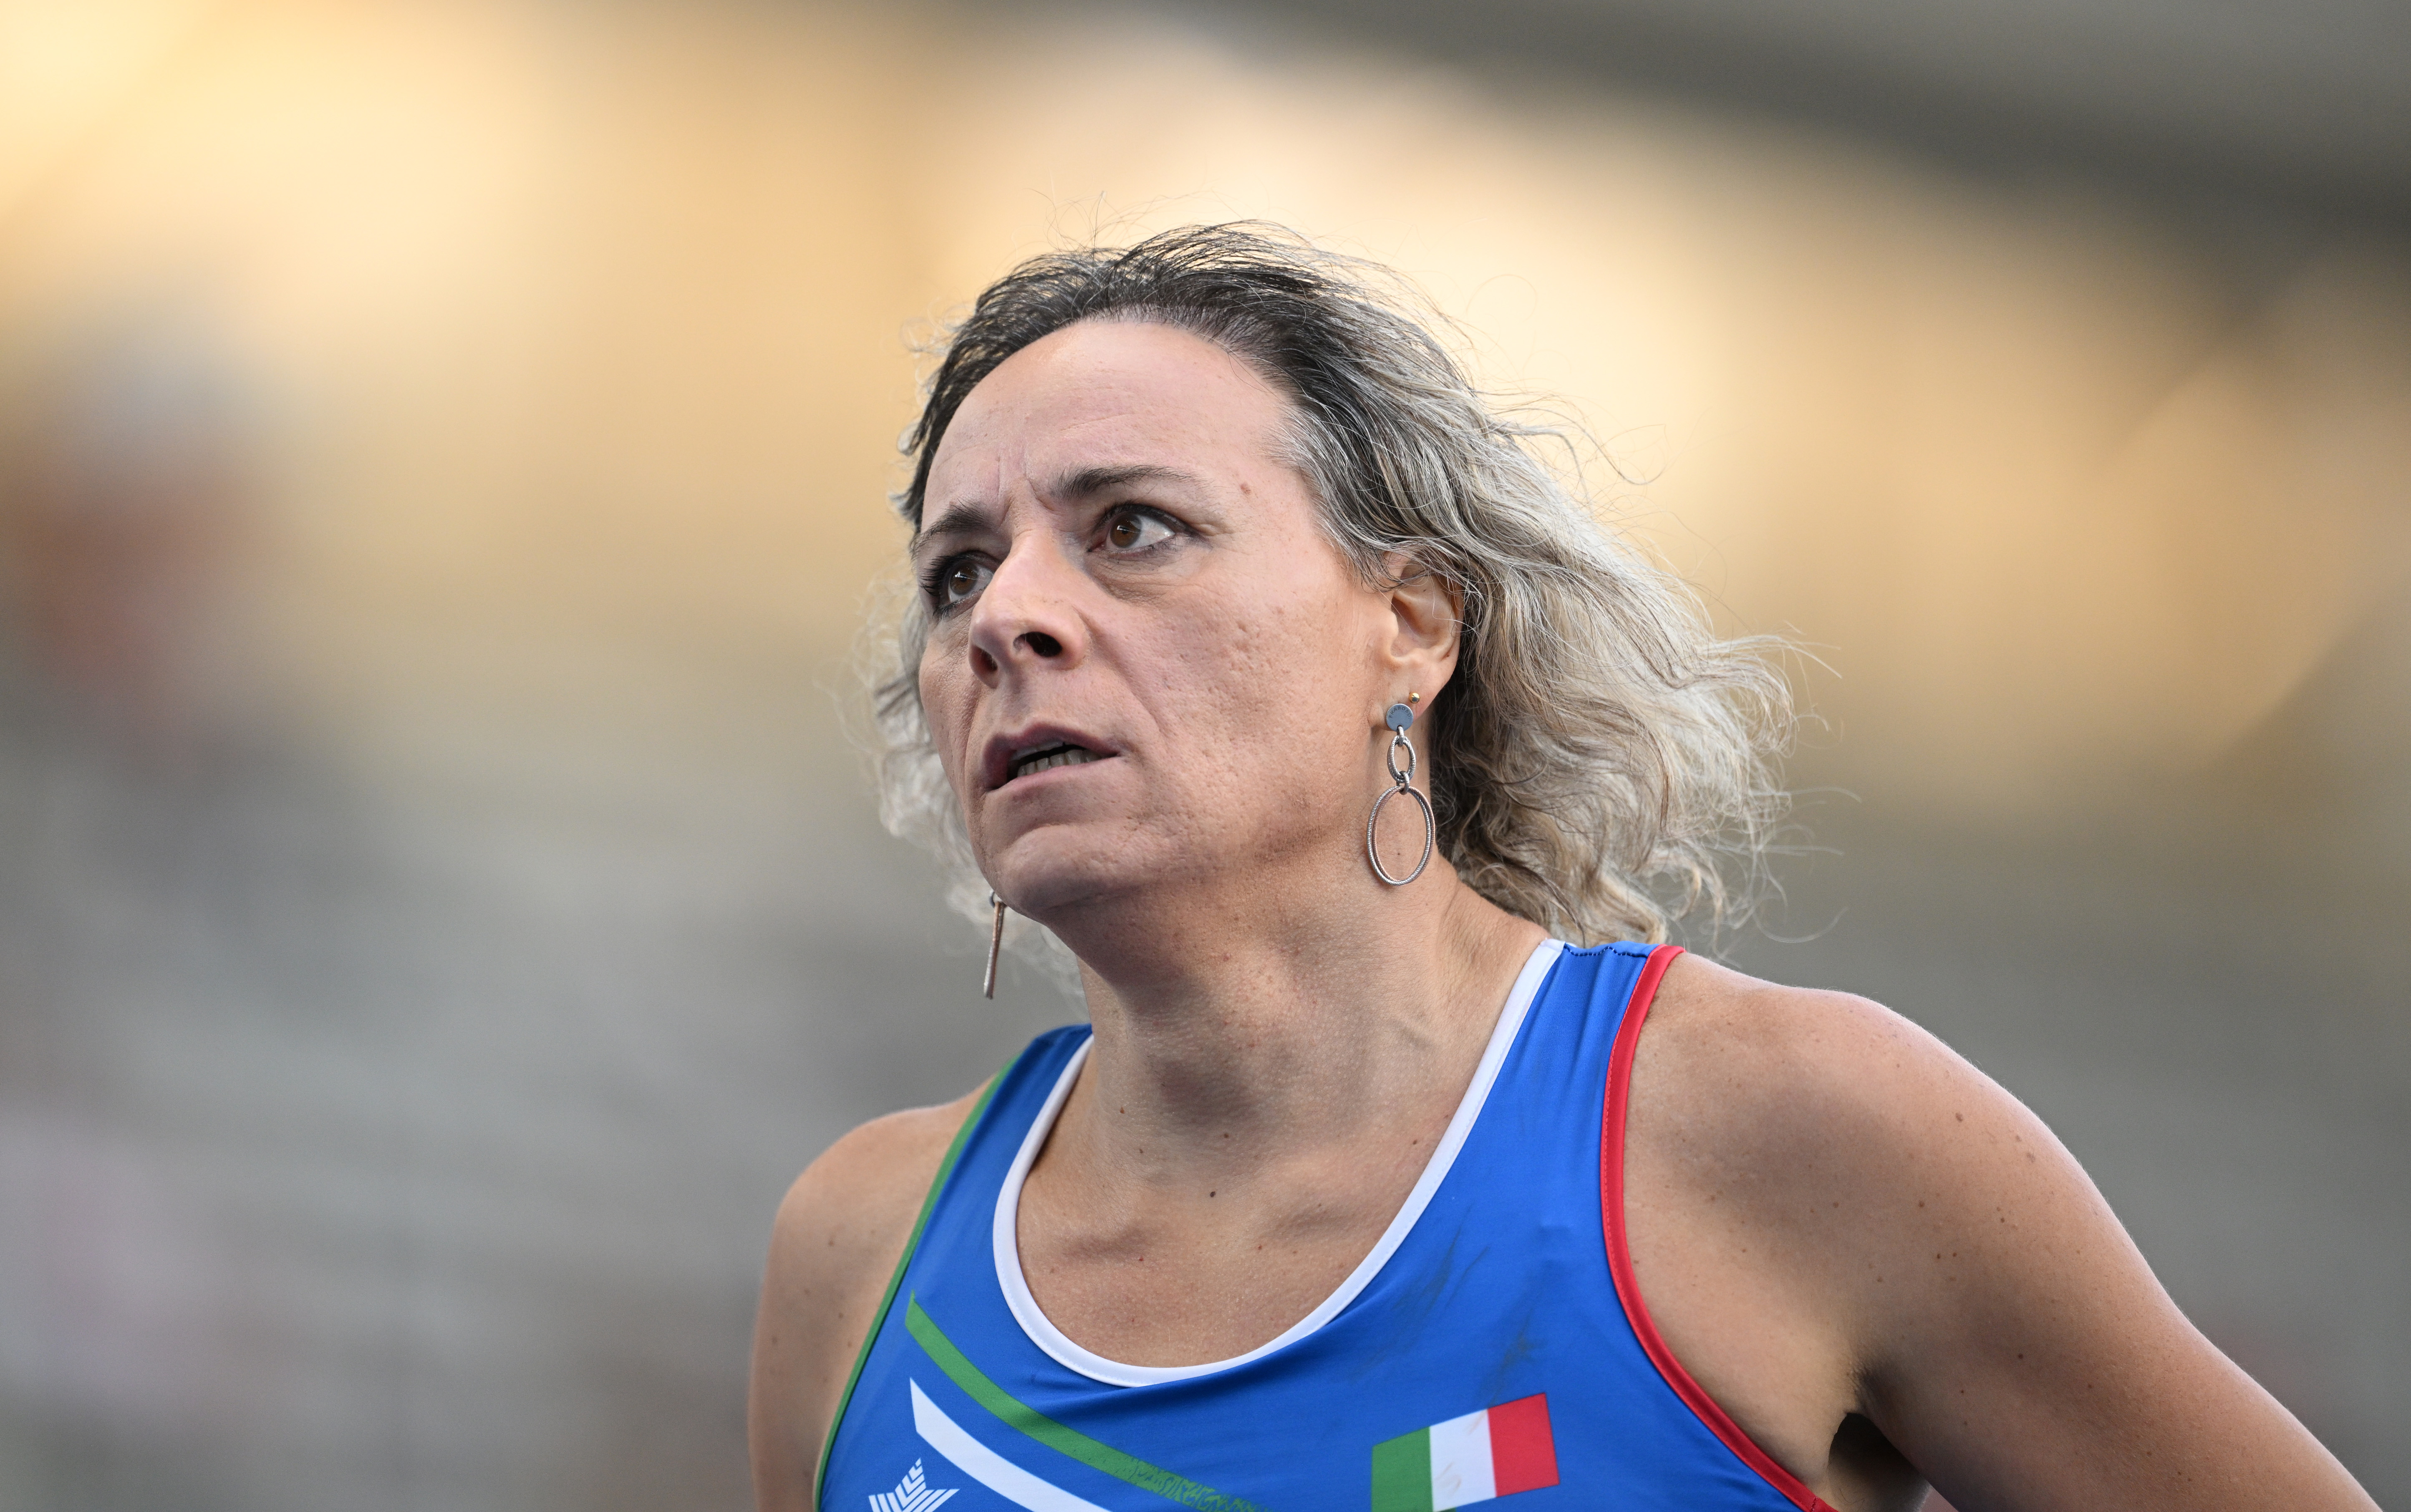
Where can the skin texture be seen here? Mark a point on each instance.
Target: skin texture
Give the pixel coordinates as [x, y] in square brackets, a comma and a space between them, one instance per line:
[1877, 1262]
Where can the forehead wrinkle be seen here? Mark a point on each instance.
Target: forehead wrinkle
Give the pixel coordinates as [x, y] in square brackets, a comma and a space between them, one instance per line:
[1101, 479]
[1135, 410]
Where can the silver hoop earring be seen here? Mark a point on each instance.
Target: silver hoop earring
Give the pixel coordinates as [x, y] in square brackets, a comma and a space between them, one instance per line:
[994, 944]
[1400, 717]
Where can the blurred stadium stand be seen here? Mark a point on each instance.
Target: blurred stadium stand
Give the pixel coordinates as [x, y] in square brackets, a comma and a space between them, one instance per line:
[440, 455]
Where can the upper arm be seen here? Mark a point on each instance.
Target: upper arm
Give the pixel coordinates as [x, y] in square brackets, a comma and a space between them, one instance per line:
[2020, 1350]
[1948, 1268]
[837, 1237]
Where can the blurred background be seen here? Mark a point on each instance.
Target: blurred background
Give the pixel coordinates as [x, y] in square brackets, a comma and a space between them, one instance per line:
[442, 457]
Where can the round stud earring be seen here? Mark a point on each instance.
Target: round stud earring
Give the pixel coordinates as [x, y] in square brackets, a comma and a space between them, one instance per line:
[1400, 718]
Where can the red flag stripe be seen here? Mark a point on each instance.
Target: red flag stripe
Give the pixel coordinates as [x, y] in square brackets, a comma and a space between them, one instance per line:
[1522, 1455]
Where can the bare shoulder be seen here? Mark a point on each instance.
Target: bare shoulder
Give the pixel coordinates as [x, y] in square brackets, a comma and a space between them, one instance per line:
[1901, 1185]
[1704, 1008]
[1767, 1132]
[1810, 1085]
[1834, 1215]
[839, 1234]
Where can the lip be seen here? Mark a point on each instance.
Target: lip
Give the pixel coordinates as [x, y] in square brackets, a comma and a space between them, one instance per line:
[996, 757]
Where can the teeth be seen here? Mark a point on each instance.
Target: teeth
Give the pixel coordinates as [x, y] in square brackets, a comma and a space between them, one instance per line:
[1062, 756]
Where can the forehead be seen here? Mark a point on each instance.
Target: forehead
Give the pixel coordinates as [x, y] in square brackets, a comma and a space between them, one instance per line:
[1106, 393]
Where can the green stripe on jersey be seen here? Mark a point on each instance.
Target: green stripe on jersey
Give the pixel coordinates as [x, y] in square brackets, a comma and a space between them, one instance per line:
[1402, 1474]
[912, 1244]
[1068, 1440]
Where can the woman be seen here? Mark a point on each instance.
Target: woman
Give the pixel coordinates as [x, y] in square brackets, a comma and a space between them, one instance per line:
[1275, 677]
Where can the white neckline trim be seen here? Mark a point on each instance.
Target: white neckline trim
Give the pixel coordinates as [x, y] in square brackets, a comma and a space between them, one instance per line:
[1046, 1336]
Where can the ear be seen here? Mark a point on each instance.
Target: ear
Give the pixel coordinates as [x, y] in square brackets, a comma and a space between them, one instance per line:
[1425, 621]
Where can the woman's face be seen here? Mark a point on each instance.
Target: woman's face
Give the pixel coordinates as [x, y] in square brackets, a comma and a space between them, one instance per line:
[1148, 665]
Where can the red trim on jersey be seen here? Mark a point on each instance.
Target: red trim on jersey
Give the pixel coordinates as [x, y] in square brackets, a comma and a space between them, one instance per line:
[1619, 1257]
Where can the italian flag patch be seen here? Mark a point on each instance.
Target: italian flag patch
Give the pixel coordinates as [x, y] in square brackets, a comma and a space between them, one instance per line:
[1496, 1452]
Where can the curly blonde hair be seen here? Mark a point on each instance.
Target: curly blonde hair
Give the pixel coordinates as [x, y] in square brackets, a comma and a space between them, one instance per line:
[1603, 762]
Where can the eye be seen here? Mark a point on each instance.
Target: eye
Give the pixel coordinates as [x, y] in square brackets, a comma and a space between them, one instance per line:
[1135, 529]
[956, 580]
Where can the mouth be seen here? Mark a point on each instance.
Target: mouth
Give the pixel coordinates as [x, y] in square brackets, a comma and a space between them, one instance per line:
[1045, 757]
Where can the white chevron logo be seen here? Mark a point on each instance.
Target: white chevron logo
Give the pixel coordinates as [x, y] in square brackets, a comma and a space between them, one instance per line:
[912, 1494]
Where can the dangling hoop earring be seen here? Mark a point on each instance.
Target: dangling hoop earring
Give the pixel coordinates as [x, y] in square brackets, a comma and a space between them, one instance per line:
[994, 944]
[1400, 717]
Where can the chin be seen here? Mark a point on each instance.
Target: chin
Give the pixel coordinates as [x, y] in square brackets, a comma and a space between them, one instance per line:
[1063, 867]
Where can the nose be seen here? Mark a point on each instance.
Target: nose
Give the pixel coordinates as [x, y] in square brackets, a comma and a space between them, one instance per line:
[1027, 617]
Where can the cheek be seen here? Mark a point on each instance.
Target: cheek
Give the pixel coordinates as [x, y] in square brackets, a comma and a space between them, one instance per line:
[942, 709]
[1282, 693]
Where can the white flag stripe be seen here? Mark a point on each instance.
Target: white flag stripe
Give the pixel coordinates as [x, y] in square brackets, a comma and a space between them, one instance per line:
[1461, 1469]
[984, 1466]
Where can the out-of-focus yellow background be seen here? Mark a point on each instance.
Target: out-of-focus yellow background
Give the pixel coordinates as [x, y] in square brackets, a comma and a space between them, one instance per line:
[442, 457]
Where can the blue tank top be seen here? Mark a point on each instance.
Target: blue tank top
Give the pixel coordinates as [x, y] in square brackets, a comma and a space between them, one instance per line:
[1492, 1344]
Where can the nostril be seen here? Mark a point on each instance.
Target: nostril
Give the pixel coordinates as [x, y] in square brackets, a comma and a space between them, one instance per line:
[1042, 642]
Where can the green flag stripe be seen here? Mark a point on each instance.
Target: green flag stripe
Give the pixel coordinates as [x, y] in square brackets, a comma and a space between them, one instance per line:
[1402, 1474]
[1071, 1441]
[887, 1298]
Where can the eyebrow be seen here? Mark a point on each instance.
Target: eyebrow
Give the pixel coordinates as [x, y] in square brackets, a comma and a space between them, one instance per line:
[967, 518]
[1095, 480]
[955, 520]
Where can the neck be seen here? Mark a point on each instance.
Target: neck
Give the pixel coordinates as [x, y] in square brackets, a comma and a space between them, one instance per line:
[1247, 1031]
